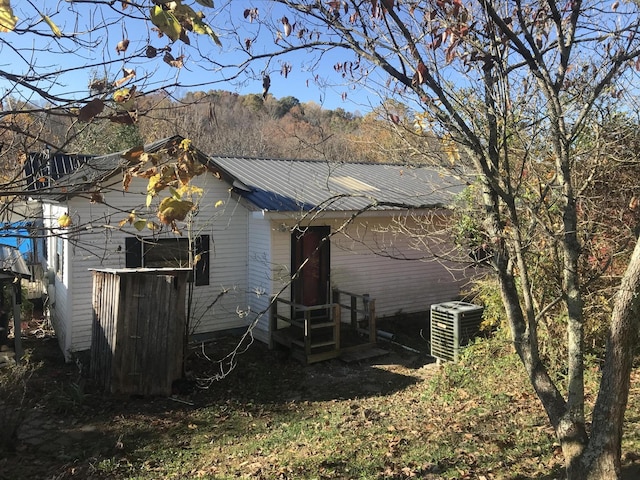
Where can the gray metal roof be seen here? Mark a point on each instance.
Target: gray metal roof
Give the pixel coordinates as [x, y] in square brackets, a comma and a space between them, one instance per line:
[99, 168]
[41, 170]
[12, 263]
[294, 185]
[298, 185]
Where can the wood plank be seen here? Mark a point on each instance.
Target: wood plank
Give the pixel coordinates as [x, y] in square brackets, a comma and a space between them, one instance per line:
[359, 354]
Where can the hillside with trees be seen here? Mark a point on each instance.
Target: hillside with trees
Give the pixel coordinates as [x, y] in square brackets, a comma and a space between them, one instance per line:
[220, 123]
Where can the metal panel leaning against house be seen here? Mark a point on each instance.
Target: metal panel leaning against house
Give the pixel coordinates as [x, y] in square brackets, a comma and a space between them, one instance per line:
[254, 215]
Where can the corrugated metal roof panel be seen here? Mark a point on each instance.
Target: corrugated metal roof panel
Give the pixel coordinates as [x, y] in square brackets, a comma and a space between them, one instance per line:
[292, 185]
[42, 169]
[11, 262]
[299, 185]
[102, 167]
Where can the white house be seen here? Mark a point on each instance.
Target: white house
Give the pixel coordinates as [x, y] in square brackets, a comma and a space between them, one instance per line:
[257, 222]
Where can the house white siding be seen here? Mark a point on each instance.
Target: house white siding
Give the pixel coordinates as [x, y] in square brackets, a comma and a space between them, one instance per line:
[259, 273]
[375, 258]
[222, 304]
[56, 265]
[249, 248]
[360, 263]
[96, 241]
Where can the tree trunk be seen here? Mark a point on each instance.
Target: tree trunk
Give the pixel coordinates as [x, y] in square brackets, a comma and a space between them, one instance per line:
[601, 459]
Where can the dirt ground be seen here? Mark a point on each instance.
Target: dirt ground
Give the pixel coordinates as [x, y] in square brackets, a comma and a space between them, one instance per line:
[66, 420]
[67, 425]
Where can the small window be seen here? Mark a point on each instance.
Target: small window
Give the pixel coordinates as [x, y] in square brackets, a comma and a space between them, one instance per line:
[169, 253]
[59, 259]
[166, 253]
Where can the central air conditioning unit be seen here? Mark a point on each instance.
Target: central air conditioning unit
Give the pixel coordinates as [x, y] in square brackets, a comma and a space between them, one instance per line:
[453, 325]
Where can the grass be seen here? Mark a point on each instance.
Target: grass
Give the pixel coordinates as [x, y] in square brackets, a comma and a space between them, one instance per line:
[394, 418]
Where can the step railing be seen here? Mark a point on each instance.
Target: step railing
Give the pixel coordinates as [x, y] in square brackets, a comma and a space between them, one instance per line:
[362, 311]
[319, 326]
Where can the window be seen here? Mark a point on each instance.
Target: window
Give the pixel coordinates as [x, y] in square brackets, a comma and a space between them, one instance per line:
[59, 259]
[169, 252]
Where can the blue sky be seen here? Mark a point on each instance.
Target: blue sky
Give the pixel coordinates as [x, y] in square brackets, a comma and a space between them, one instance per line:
[26, 52]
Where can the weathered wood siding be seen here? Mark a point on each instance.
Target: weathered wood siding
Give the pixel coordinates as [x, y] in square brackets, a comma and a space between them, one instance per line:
[138, 330]
[93, 245]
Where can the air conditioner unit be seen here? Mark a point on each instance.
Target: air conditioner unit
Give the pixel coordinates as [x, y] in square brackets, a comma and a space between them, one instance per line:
[453, 325]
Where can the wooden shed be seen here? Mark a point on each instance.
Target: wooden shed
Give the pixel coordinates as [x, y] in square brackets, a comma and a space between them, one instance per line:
[138, 331]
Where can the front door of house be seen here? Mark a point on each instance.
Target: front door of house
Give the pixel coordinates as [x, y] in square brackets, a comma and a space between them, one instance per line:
[310, 256]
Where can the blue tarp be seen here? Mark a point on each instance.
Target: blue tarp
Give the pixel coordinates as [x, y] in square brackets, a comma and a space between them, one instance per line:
[17, 235]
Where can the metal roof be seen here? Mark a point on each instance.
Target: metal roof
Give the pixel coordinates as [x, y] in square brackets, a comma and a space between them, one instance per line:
[41, 170]
[294, 185]
[12, 263]
[101, 167]
[298, 185]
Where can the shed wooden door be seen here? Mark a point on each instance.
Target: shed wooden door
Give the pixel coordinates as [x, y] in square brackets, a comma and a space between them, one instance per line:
[312, 285]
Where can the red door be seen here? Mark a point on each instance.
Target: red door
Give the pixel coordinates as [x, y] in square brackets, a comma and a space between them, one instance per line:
[310, 256]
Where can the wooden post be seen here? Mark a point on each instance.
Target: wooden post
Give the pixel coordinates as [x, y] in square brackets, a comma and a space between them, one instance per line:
[336, 325]
[307, 332]
[373, 333]
[354, 312]
[16, 297]
[273, 321]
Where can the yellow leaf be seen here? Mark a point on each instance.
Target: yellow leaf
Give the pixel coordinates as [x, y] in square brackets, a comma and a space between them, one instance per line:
[166, 22]
[219, 203]
[189, 190]
[149, 200]
[171, 210]
[64, 220]
[154, 185]
[7, 19]
[197, 258]
[125, 98]
[121, 95]
[185, 144]
[54, 28]
[174, 193]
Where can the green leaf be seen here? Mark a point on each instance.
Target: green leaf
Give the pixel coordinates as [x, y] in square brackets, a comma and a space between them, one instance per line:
[175, 194]
[203, 29]
[140, 224]
[166, 22]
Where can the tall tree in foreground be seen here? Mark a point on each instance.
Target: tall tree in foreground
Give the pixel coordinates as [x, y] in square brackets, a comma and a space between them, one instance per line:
[515, 84]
